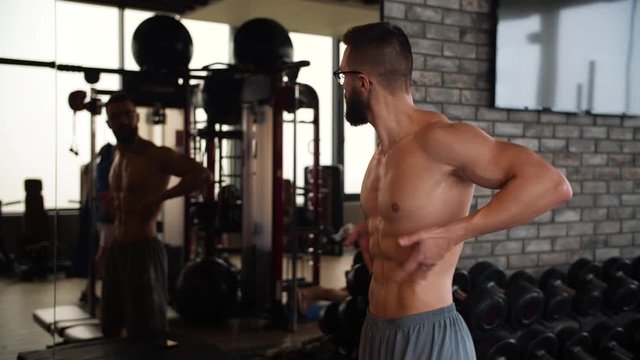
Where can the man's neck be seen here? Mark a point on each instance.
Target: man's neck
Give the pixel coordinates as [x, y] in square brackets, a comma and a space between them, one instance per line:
[129, 147]
[394, 118]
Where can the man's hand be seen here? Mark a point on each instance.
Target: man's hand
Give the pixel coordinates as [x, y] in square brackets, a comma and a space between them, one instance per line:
[430, 246]
[360, 233]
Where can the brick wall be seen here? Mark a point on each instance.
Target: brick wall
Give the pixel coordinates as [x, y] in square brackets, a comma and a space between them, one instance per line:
[453, 46]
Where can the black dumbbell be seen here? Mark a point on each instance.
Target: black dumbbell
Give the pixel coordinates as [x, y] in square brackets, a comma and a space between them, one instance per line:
[632, 335]
[573, 344]
[586, 301]
[481, 309]
[358, 280]
[497, 345]
[351, 314]
[525, 302]
[607, 340]
[635, 268]
[585, 273]
[557, 303]
[536, 343]
[329, 322]
[622, 292]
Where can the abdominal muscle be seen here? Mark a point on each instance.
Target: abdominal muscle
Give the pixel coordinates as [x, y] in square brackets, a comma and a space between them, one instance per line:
[414, 294]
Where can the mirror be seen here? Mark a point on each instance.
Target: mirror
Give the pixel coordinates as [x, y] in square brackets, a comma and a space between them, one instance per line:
[44, 139]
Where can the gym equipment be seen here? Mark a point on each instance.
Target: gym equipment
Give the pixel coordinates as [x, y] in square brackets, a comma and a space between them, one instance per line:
[574, 344]
[497, 345]
[69, 322]
[229, 209]
[525, 302]
[557, 304]
[162, 43]
[635, 269]
[357, 258]
[263, 45]
[583, 273]
[482, 309]
[351, 314]
[206, 291]
[586, 301]
[622, 292]
[619, 295]
[222, 97]
[124, 348]
[329, 319]
[537, 343]
[521, 289]
[607, 340]
[358, 280]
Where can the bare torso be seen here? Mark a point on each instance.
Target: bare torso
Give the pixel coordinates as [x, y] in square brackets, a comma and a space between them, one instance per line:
[405, 191]
[137, 183]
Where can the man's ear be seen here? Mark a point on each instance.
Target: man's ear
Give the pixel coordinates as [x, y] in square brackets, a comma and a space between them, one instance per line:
[137, 118]
[365, 83]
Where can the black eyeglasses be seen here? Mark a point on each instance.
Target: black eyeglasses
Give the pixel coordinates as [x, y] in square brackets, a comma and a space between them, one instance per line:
[341, 75]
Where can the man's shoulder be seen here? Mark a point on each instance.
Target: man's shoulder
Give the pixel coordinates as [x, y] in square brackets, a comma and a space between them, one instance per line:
[437, 124]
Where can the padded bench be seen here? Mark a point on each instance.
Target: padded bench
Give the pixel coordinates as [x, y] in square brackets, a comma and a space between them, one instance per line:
[70, 322]
[188, 347]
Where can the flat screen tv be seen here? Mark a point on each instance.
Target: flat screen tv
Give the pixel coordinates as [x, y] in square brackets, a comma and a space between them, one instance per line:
[578, 56]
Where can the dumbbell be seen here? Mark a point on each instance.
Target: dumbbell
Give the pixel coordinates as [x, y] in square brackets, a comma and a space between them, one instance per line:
[358, 280]
[586, 301]
[497, 345]
[351, 314]
[525, 302]
[622, 293]
[635, 268]
[557, 303]
[536, 343]
[619, 295]
[329, 321]
[573, 344]
[482, 310]
[607, 340]
[632, 335]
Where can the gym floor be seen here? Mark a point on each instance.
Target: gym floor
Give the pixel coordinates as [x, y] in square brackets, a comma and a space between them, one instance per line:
[18, 331]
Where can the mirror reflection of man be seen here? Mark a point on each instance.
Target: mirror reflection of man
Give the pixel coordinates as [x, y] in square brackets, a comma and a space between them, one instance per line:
[134, 291]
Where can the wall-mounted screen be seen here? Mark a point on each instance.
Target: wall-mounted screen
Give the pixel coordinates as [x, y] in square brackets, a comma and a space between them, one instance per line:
[569, 56]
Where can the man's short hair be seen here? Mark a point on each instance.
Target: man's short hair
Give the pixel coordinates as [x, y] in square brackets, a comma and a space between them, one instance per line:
[118, 98]
[384, 50]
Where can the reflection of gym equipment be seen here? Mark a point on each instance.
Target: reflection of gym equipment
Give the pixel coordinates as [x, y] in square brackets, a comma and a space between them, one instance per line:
[7, 260]
[244, 149]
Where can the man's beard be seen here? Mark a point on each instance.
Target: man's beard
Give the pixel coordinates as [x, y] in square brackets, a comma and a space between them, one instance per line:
[126, 136]
[356, 113]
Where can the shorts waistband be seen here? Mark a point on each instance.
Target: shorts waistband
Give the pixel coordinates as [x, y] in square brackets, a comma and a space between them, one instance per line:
[412, 320]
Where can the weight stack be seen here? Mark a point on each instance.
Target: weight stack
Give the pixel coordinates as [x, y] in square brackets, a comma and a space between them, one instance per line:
[331, 196]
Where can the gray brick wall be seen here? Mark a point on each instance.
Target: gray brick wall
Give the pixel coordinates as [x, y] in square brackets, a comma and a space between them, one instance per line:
[453, 45]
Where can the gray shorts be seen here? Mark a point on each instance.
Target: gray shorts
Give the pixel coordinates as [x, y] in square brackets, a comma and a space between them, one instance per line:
[440, 334]
[134, 289]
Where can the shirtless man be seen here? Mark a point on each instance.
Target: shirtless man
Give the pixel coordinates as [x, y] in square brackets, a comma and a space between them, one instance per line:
[134, 290]
[416, 195]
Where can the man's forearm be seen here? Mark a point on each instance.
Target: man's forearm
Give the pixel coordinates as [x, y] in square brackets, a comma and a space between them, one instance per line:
[521, 200]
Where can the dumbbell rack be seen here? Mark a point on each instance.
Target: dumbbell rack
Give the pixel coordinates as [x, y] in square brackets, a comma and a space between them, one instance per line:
[569, 337]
